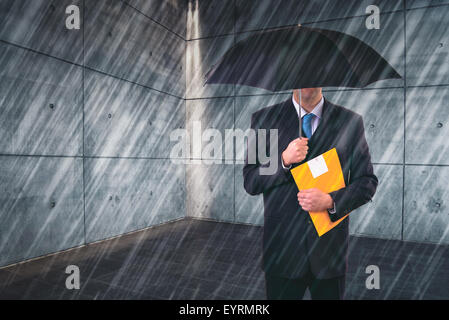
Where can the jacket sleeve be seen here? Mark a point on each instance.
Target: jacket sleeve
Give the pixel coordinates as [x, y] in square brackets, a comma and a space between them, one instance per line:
[254, 181]
[363, 183]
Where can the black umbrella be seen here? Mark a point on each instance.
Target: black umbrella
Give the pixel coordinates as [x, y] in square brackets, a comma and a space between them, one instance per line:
[300, 57]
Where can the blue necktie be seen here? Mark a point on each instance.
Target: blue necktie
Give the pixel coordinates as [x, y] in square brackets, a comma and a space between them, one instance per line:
[307, 124]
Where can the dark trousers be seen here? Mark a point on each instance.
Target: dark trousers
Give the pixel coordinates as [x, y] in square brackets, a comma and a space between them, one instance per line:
[279, 288]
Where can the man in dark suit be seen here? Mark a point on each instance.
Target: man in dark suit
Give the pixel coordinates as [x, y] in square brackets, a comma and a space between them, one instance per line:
[294, 256]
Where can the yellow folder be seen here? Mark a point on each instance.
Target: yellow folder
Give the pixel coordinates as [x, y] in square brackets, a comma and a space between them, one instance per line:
[324, 173]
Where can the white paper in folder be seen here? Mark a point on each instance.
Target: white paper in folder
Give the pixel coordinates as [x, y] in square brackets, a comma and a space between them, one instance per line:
[317, 166]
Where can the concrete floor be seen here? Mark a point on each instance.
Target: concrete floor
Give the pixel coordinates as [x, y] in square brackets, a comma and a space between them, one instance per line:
[194, 259]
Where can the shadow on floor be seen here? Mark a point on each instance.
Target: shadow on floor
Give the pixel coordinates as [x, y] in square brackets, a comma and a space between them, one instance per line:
[194, 259]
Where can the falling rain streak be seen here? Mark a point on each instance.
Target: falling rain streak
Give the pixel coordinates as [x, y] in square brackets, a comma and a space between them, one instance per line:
[90, 93]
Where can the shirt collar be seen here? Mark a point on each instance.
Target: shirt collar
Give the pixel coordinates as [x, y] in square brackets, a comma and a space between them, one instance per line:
[317, 110]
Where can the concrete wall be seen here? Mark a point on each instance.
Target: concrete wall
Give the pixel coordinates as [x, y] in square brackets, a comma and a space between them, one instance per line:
[406, 121]
[84, 121]
[86, 116]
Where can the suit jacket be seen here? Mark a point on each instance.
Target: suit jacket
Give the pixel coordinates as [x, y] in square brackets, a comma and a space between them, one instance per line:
[290, 242]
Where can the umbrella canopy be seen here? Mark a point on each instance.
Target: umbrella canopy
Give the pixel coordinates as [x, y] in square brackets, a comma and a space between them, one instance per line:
[300, 57]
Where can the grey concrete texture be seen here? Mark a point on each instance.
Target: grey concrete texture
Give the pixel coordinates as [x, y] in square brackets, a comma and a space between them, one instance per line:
[124, 195]
[245, 107]
[427, 126]
[172, 14]
[122, 42]
[206, 18]
[427, 46]
[42, 103]
[254, 15]
[210, 191]
[41, 206]
[36, 91]
[136, 46]
[248, 209]
[412, 4]
[426, 198]
[40, 25]
[381, 217]
[204, 114]
[201, 55]
[126, 120]
[383, 116]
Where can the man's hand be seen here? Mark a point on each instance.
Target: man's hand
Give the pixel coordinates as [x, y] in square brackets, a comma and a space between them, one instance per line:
[295, 152]
[315, 200]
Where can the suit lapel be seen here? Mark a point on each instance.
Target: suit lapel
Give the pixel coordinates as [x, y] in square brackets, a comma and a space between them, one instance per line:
[290, 121]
